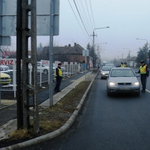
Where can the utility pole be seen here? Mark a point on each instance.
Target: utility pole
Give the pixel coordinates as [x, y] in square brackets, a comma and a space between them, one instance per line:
[19, 57]
[94, 57]
[54, 30]
[23, 87]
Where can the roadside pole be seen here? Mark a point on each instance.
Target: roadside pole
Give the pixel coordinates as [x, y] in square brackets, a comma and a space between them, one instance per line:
[54, 30]
[85, 53]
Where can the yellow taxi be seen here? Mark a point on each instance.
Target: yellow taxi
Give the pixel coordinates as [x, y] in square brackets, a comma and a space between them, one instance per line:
[4, 78]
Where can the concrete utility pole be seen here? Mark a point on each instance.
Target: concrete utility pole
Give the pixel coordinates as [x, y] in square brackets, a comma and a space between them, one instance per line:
[19, 57]
[24, 7]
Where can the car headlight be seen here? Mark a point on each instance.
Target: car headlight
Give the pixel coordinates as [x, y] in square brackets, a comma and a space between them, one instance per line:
[112, 84]
[103, 73]
[136, 83]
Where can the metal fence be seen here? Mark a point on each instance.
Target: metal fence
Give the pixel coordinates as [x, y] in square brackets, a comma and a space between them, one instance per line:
[68, 69]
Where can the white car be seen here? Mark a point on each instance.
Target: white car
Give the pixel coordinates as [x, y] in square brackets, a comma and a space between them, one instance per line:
[4, 68]
[105, 71]
[123, 80]
[42, 68]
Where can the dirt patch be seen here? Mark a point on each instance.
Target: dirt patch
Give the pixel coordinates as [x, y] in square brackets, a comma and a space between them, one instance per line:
[50, 119]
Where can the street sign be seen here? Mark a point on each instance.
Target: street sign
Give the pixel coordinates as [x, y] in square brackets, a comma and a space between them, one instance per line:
[85, 53]
[8, 19]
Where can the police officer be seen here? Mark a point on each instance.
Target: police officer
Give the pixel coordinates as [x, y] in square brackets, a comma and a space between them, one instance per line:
[122, 65]
[58, 75]
[125, 64]
[144, 72]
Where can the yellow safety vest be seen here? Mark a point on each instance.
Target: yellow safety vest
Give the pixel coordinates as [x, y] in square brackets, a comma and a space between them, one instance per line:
[59, 72]
[143, 69]
[122, 66]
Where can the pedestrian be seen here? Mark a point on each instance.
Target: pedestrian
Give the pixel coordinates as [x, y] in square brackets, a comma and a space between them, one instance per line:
[58, 75]
[144, 72]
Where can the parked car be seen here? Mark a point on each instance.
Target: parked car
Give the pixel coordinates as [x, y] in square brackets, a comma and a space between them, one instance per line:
[122, 80]
[4, 78]
[105, 71]
[4, 68]
[42, 68]
[62, 68]
[45, 68]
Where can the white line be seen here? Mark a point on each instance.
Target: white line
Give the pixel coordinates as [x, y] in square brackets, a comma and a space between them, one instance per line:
[147, 90]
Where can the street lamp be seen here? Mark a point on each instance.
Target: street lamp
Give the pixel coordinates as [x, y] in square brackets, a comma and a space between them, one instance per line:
[147, 45]
[94, 59]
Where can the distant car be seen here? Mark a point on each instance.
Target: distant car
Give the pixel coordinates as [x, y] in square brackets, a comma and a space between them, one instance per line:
[4, 78]
[122, 80]
[109, 64]
[105, 71]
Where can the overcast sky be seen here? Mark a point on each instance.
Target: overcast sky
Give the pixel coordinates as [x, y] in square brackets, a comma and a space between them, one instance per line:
[127, 19]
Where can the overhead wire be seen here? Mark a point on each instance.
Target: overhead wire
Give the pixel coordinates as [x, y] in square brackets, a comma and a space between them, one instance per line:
[81, 18]
[91, 21]
[82, 27]
[92, 12]
[76, 16]
[85, 15]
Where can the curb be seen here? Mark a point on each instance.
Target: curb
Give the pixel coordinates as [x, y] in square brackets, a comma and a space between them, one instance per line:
[7, 106]
[55, 133]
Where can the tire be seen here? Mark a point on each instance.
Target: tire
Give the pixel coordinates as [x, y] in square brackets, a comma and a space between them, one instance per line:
[108, 93]
[138, 94]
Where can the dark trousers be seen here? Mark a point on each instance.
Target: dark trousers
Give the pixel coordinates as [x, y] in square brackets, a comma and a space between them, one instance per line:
[58, 82]
[143, 81]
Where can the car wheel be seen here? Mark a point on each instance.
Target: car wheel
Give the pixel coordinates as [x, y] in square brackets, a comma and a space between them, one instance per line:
[108, 93]
[45, 71]
[138, 94]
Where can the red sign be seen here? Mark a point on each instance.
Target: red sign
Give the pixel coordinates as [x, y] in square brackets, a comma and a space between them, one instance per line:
[7, 61]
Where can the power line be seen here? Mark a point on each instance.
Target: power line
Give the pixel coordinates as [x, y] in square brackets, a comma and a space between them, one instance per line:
[92, 12]
[92, 25]
[85, 15]
[78, 20]
[80, 17]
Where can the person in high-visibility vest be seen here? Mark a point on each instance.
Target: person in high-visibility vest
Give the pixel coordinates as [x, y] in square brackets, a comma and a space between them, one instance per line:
[58, 75]
[122, 65]
[125, 64]
[144, 72]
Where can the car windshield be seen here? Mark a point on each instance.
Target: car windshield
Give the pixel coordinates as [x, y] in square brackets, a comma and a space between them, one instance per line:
[122, 73]
[106, 68]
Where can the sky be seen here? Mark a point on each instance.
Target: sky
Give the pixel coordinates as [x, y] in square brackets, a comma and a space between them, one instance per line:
[127, 20]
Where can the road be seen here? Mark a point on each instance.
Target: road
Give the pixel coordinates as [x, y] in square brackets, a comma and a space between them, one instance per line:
[120, 122]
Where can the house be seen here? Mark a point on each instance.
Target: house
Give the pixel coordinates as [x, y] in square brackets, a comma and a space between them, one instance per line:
[67, 53]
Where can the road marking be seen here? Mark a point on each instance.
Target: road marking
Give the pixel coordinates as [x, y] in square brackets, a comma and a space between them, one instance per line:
[148, 91]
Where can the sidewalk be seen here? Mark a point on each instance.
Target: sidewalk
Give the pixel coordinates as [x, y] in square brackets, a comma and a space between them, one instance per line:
[6, 129]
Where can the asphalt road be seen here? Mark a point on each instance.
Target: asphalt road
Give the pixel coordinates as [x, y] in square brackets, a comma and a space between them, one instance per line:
[120, 122]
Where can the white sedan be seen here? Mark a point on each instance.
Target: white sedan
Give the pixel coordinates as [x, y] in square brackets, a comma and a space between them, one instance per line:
[122, 80]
